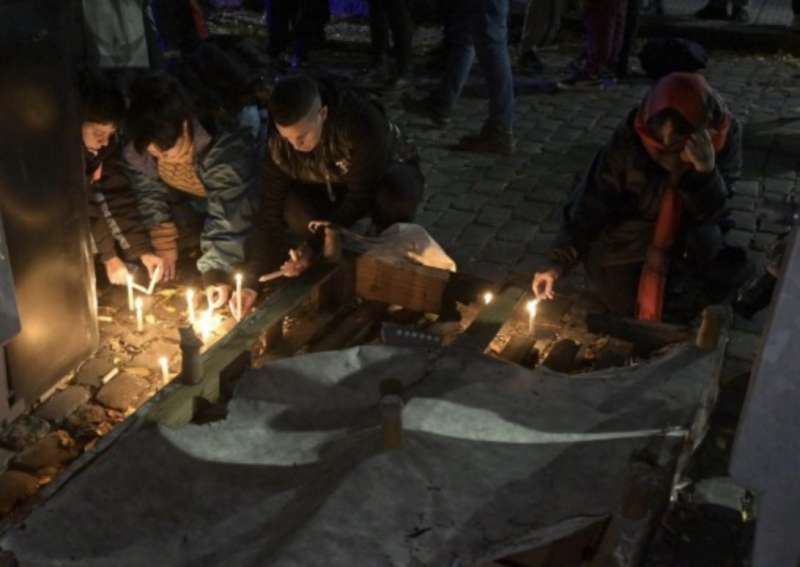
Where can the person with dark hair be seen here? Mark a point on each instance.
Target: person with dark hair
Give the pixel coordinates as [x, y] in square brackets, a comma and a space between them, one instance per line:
[470, 28]
[117, 233]
[333, 156]
[656, 192]
[394, 15]
[196, 182]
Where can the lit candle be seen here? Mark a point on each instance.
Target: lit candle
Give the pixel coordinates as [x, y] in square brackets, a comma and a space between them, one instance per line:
[488, 297]
[139, 315]
[238, 314]
[531, 307]
[190, 305]
[164, 369]
[154, 280]
[129, 279]
[207, 324]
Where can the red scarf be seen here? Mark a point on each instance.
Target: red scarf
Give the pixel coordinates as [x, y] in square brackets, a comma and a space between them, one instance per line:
[687, 93]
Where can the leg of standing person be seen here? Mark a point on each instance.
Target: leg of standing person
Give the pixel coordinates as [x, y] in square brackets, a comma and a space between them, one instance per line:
[490, 34]
[631, 30]
[460, 56]
[402, 36]
[528, 59]
[600, 19]
[278, 21]
[796, 10]
[617, 31]
[379, 32]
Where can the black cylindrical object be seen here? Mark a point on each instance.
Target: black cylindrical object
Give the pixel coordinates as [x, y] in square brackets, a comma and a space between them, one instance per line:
[191, 371]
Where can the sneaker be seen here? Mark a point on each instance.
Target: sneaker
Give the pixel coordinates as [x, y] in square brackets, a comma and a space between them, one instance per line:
[427, 108]
[712, 12]
[488, 141]
[529, 62]
[740, 15]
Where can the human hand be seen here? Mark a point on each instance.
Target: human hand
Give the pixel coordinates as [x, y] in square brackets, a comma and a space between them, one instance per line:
[218, 295]
[248, 299]
[318, 225]
[699, 151]
[543, 283]
[153, 263]
[299, 261]
[169, 259]
[117, 271]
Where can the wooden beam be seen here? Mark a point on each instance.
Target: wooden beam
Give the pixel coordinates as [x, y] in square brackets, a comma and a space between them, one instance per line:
[518, 349]
[491, 318]
[353, 328]
[400, 282]
[177, 406]
[646, 336]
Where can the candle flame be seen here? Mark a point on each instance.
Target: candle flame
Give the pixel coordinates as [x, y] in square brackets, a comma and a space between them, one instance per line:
[531, 307]
[488, 297]
[238, 278]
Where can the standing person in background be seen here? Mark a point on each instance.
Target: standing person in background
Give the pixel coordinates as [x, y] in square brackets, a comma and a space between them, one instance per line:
[118, 235]
[196, 182]
[605, 31]
[295, 26]
[796, 10]
[628, 40]
[541, 26]
[394, 15]
[475, 26]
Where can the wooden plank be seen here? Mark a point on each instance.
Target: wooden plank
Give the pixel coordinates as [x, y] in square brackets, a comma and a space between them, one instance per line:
[488, 322]
[646, 336]
[177, 405]
[518, 349]
[400, 282]
[352, 328]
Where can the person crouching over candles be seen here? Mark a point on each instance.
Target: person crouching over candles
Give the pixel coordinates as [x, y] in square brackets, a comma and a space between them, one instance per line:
[195, 180]
[655, 195]
[333, 156]
[118, 235]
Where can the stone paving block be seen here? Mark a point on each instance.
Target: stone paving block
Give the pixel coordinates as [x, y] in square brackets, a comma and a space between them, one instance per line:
[471, 202]
[500, 252]
[510, 199]
[455, 219]
[488, 271]
[427, 218]
[744, 221]
[780, 186]
[24, 432]
[532, 211]
[476, 236]
[530, 264]
[742, 203]
[63, 403]
[93, 371]
[739, 238]
[494, 216]
[748, 188]
[517, 231]
[54, 450]
[122, 392]
[552, 195]
[762, 241]
[774, 228]
[492, 187]
[542, 244]
[15, 487]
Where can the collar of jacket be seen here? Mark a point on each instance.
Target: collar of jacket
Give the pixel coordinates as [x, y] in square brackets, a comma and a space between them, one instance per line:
[147, 164]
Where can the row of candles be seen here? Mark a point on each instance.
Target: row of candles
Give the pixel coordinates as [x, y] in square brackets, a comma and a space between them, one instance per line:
[530, 307]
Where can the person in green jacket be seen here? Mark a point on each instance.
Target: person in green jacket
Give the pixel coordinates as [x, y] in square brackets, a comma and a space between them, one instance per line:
[195, 181]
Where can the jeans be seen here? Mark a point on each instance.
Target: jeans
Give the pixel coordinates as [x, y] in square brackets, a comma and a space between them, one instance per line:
[397, 197]
[605, 32]
[542, 23]
[394, 14]
[479, 26]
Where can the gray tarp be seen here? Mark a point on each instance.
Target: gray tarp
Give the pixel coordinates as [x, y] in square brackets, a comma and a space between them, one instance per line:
[495, 457]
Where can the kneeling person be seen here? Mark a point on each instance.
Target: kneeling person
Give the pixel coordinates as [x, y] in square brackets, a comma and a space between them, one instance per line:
[333, 156]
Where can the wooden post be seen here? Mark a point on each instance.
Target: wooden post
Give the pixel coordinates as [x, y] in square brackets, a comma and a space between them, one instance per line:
[191, 371]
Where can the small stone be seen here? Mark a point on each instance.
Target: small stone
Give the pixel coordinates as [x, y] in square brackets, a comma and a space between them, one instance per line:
[15, 486]
[63, 403]
[92, 372]
[56, 449]
[24, 432]
[122, 392]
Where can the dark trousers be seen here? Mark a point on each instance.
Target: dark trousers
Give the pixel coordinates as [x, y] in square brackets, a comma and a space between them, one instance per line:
[796, 7]
[479, 27]
[542, 23]
[396, 200]
[605, 28]
[295, 20]
[385, 15]
[628, 41]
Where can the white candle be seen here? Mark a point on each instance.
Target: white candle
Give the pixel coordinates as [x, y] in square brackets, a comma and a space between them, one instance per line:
[190, 305]
[129, 279]
[238, 297]
[164, 369]
[154, 280]
[139, 315]
[531, 307]
[488, 297]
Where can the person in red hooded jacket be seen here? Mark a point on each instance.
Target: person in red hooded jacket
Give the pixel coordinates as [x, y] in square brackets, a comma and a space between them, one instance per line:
[656, 191]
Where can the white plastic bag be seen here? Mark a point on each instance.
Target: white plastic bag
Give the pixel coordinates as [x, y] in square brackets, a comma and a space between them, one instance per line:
[404, 240]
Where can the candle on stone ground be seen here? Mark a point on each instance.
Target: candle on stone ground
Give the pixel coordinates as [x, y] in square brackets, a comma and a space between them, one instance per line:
[164, 369]
[531, 307]
[153, 280]
[488, 297]
[238, 297]
[129, 280]
[139, 315]
[190, 306]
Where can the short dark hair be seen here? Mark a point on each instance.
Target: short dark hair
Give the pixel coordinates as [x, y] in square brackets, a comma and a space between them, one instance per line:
[159, 107]
[292, 99]
[101, 101]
